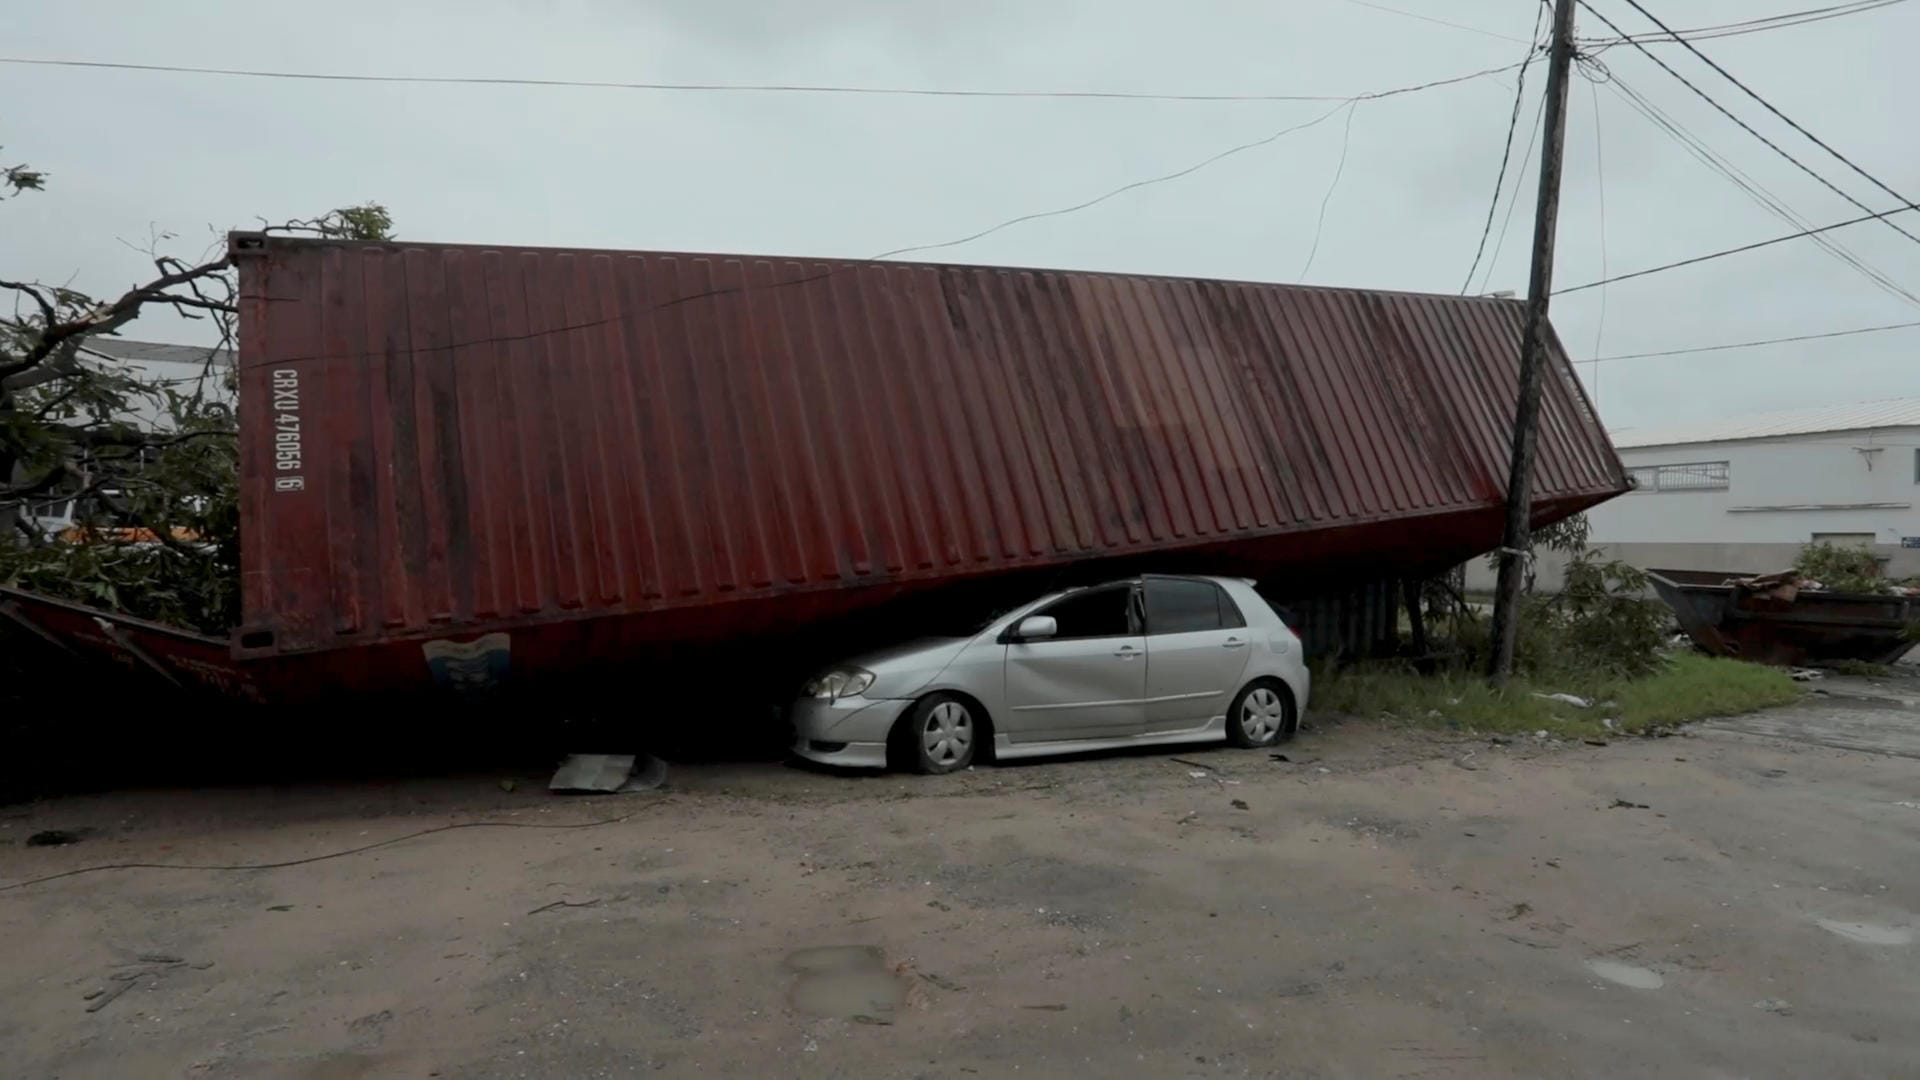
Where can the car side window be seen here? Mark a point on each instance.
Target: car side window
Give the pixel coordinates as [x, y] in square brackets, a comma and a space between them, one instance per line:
[1180, 606]
[1230, 616]
[1096, 613]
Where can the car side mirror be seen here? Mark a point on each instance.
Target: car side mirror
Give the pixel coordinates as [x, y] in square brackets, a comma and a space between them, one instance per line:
[1036, 628]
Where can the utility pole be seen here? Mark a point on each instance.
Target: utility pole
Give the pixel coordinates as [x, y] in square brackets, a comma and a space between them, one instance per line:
[1533, 348]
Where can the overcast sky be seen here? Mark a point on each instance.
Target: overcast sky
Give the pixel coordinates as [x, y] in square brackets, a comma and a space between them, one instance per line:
[814, 174]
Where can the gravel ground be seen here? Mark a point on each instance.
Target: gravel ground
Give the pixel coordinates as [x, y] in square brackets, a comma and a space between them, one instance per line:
[1732, 902]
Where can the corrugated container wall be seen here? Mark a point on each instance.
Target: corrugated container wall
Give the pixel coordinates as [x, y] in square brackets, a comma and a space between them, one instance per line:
[442, 440]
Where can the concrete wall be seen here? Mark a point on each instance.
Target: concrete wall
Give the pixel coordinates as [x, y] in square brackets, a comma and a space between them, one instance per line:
[1780, 493]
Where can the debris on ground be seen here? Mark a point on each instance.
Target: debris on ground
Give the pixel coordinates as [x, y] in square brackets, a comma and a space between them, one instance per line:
[563, 904]
[153, 966]
[609, 773]
[1622, 804]
[1567, 699]
[1240, 804]
[1775, 1006]
[1192, 764]
[1280, 757]
[1805, 674]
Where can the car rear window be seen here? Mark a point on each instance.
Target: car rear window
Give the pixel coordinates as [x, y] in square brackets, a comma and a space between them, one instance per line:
[1180, 606]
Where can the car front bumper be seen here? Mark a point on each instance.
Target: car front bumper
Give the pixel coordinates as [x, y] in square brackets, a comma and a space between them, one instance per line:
[851, 732]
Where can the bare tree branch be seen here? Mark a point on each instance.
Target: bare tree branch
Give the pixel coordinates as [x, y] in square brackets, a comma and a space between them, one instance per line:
[58, 342]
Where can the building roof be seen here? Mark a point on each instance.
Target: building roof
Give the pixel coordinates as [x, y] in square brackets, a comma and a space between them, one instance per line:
[153, 352]
[1860, 416]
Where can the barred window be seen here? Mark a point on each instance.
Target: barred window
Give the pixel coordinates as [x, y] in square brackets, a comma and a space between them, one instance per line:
[1691, 476]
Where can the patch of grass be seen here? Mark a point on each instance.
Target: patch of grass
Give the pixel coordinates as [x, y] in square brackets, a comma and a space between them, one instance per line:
[1858, 667]
[1685, 687]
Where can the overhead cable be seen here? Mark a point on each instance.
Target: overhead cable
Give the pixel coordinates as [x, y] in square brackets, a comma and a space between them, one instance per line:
[689, 87]
[1756, 344]
[1775, 147]
[1753, 189]
[1732, 251]
[1506, 153]
[1769, 106]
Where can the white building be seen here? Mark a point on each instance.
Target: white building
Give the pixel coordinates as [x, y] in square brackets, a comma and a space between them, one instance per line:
[1746, 493]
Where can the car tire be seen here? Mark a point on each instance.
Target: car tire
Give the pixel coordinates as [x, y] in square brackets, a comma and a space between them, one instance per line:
[939, 735]
[1262, 714]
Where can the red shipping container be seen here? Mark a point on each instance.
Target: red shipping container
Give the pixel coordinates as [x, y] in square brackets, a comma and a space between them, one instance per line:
[585, 451]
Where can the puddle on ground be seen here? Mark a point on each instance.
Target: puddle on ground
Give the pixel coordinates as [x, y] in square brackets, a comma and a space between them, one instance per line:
[1638, 978]
[1868, 933]
[850, 982]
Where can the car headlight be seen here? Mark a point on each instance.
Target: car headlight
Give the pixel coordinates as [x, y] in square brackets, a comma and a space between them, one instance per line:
[838, 683]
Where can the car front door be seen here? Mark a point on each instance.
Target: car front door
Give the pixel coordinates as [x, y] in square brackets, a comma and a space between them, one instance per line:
[1197, 646]
[1086, 681]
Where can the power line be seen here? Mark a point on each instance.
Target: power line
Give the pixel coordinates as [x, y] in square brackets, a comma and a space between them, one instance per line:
[1440, 22]
[1750, 187]
[1756, 344]
[1734, 250]
[1121, 190]
[1765, 104]
[1748, 26]
[589, 84]
[1775, 147]
[1376, 95]
[1513, 197]
[1320, 224]
[1506, 152]
[1600, 189]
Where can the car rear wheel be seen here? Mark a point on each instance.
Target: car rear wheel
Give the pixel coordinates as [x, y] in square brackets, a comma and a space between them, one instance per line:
[1261, 715]
[940, 734]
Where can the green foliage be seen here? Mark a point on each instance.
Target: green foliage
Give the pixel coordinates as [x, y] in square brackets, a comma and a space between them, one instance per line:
[1601, 620]
[1681, 687]
[368, 221]
[159, 536]
[1599, 624]
[1843, 569]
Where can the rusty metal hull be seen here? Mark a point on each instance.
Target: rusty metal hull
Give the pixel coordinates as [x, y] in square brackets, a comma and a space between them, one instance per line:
[1811, 628]
[588, 450]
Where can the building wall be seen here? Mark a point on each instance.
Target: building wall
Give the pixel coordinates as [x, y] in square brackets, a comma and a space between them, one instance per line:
[1778, 494]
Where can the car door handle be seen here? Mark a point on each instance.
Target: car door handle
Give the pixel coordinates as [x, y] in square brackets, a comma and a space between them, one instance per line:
[1233, 643]
[1127, 652]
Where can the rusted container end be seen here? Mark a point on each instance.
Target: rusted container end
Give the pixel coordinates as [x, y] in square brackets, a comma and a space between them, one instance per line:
[1810, 628]
[584, 451]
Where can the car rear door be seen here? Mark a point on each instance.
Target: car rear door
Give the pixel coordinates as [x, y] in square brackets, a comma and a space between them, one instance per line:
[1087, 680]
[1197, 649]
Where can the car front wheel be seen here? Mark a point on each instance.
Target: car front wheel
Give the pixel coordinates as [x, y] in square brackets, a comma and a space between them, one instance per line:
[939, 734]
[1261, 715]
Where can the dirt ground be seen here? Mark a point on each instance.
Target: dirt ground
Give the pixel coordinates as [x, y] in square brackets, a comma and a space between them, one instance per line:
[1733, 902]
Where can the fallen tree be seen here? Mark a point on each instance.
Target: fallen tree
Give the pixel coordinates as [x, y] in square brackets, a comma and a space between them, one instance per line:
[144, 468]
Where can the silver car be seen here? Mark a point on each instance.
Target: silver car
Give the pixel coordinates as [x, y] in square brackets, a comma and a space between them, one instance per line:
[1146, 661]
